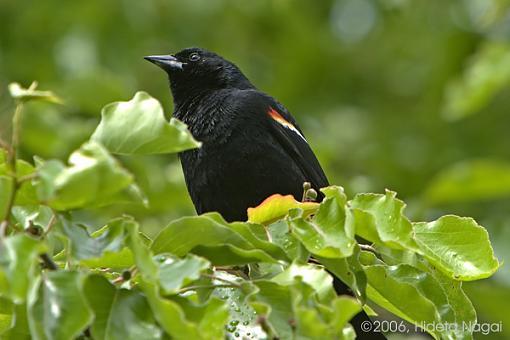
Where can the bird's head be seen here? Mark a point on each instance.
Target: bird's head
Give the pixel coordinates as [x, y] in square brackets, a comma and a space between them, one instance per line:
[194, 70]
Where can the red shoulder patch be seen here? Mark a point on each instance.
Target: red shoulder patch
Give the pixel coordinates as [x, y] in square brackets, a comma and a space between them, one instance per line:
[275, 115]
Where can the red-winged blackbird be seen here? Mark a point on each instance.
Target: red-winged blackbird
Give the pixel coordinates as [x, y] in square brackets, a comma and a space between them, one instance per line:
[252, 146]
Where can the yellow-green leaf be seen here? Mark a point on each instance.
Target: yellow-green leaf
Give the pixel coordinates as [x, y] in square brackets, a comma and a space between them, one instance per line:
[277, 206]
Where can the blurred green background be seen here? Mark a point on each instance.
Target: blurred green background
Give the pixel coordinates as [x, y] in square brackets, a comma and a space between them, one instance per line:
[410, 95]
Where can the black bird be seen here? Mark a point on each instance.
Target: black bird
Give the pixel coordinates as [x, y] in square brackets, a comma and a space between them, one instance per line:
[252, 146]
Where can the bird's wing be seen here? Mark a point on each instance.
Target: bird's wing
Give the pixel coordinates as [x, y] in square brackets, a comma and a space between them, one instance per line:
[285, 130]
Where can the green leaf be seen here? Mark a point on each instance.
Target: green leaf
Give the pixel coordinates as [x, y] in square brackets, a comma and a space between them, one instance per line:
[301, 303]
[310, 325]
[92, 178]
[24, 95]
[273, 302]
[315, 276]
[18, 266]
[326, 234]
[204, 236]
[5, 194]
[277, 206]
[27, 215]
[210, 318]
[470, 181]
[257, 234]
[327, 322]
[119, 313]
[81, 245]
[133, 194]
[141, 252]
[48, 172]
[350, 271]
[280, 234]
[113, 260]
[344, 309]
[175, 273]
[379, 218]
[58, 309]
[139, 127]
[487, 74]
[105, 248]
[6, 314]
[462, 310]
[206, 322]
[26, 193]
[169, 315]
[243, 318]
[422, 296]
[118, 244]
[290, 311]
[457, 246]
[388, 289]
[19, 329]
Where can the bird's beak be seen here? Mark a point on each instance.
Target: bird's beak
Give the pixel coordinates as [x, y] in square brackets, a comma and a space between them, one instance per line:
[165, 61]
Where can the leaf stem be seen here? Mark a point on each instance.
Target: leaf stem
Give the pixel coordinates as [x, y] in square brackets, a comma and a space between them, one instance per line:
[16, 127]
[3, 227]
[185, 289]
[27, 178]
[367, 247]
[11, 165]
[220, 279]
[51, 223]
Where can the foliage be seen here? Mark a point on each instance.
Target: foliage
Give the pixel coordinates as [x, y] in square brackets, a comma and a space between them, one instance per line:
[201, 277]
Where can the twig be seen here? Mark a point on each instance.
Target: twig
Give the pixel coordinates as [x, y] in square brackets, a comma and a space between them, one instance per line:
[51, 223]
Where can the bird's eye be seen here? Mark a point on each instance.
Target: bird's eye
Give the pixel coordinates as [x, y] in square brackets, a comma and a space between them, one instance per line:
[194, 57]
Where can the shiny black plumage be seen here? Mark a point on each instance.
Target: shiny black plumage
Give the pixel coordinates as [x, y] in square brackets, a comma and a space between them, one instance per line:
[246, 154]
[252, 146]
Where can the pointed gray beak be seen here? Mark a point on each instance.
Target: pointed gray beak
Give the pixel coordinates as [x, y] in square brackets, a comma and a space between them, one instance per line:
[165, 61]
